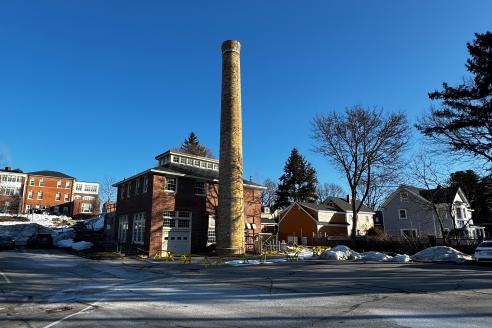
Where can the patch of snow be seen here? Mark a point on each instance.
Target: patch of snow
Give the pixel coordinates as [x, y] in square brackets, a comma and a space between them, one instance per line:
[303, 254]
[340, 253]
[95, 224]
[401, 258]
[22, 232]
[243, 262]
[46, 220]
[77, 246]
[441, 254]
[375, 256]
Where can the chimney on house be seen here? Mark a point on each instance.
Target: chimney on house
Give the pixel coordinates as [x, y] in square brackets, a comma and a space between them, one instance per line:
[230, 219]
[8, 168]
[348, 199]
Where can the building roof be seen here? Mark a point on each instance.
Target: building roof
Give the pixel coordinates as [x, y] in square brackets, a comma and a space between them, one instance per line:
[318, 207]
[54, 174]
[345, 206]
[439, 195]
[192, 171]
[11, 170]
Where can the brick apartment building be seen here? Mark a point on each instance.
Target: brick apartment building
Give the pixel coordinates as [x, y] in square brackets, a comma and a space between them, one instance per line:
[173, 206]
[85, 199]
[49, 190]
[11, 190]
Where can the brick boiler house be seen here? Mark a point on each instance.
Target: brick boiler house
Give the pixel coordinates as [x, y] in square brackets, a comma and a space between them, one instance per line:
[172, 207]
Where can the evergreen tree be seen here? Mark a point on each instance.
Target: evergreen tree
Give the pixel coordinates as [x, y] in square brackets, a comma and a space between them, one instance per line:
[298, 183]
[192, 146]
[463, 120]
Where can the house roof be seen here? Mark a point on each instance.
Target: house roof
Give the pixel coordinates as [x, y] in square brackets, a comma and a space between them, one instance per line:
[318, 207]
[346, 206]
[439, 195]
[54, 174]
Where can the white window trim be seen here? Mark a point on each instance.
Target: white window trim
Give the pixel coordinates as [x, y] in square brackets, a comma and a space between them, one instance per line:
[399, 214]
[138, 217]
[175, 185]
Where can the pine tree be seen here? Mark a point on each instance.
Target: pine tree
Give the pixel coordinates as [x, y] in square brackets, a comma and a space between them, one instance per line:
[463, 121]
[192, 146]
[298, 183]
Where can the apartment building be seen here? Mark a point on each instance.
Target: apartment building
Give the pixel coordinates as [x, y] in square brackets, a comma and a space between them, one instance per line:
[49, 191]
[11, 190]
[85, 201]
[172, 206]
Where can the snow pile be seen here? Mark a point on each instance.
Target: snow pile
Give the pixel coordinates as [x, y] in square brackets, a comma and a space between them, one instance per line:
[340, 253]
[42, 219]
[63, 233]
[76, 246]
[244, 262]
[441, 254]
[95, 224]
[401, 258]
[376, 256]
[302, 254]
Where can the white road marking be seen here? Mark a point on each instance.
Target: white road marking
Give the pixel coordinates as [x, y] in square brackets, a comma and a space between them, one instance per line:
[5, 277]
[73, 314]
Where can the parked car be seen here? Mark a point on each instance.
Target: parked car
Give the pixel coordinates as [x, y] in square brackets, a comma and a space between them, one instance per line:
[7, 242]
[40, 240]
[484, 251]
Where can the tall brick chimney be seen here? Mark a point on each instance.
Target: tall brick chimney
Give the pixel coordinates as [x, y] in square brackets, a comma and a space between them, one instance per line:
[230, 218]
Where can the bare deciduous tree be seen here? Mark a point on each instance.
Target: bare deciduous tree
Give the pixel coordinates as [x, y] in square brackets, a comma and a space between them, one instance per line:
[361, 143]
[269, 195]
[327, 190]
[108, 192]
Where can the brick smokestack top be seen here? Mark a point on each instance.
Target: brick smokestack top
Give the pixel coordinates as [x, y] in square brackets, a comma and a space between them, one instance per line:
[230, 219]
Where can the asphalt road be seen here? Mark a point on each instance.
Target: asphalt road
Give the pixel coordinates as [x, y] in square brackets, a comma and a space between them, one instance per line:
[54, 289]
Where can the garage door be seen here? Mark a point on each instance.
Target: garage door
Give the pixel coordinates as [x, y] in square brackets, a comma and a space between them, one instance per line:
[176, 241]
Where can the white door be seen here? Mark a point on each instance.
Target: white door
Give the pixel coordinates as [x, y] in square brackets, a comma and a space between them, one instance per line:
[176, 241]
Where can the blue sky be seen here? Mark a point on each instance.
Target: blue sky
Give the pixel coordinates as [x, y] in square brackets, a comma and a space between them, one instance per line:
[96, 88]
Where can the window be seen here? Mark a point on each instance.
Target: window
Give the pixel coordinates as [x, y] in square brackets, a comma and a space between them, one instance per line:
[88, 197]
[138, 228]
[68, 185]
[216, 167]
[176, 159]
[211, 236]
[409, 233]
[28, 207]
[128, 187]
[197, 163]
[182, 160]
[86, 208]
[32, 182]
[145, 184]
[183, 223]
[190, 161]
[169, 223]
[123, 228]
[459, 213]
[171, 184]
[404, 196]
[203, 164]
[57, 196]
[403, 214]
[41, 182]
[122, 191]
[30, 194]
[78, 187]
[59, 184]
[184, 214]
[137, 188]
[65, 197]
[199, 188]
[40, 195]
[210, 165]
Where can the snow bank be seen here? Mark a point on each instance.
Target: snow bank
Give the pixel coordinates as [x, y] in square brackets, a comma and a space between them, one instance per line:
[402, 258]
[340, 253]
[42, 219]
[375, 256]
[95, 224]
[77, 246]
[441, 254]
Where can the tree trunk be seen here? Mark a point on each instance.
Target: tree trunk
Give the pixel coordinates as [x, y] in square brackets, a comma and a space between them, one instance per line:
[353, 235]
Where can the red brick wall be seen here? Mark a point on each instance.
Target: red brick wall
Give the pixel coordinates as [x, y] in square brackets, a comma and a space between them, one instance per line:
[77, 206]
[49, 193]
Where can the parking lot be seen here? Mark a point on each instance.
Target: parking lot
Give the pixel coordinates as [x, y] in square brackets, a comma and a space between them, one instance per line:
[49, 288]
